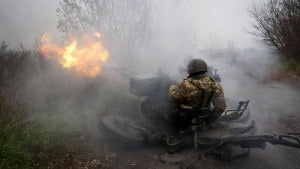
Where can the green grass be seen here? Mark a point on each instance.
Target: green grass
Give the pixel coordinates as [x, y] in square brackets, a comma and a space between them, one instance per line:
[41, 140]
[38, 142]
[293, 66]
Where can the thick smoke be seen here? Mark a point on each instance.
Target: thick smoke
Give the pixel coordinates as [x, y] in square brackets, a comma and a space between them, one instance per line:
[178, 30]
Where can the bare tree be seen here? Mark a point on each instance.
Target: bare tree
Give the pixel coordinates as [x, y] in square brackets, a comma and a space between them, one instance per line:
[121, 22]
[278, 24]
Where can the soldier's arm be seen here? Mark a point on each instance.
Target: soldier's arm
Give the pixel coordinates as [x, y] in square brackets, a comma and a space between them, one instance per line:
[177, 92]
[174, 95]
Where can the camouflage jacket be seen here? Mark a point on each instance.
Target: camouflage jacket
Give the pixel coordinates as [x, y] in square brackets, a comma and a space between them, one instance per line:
[198, 92]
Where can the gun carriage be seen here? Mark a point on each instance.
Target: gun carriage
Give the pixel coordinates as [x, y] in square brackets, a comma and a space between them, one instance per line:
[232, 130]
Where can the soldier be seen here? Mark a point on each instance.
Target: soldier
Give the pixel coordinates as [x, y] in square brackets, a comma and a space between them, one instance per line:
[197, 95]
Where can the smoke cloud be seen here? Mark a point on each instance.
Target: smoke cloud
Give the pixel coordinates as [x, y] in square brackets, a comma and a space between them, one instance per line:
[214, 30]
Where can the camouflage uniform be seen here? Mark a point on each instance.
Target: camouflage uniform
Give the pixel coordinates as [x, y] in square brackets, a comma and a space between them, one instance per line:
[196, 93]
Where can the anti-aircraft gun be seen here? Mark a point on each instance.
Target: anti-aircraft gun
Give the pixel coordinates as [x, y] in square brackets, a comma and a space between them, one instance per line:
[231, 130]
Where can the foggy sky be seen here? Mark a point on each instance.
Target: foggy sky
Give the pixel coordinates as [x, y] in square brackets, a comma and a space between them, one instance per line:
[220, 21]
[22, 21]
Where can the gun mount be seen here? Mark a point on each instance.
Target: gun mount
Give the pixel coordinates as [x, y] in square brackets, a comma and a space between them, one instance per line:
[229, 131]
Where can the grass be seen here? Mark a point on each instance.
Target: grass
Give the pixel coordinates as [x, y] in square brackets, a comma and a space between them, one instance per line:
[293, 66]
[38, 142]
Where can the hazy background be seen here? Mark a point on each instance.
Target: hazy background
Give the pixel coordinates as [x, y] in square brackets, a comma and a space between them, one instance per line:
[220, 22]
[23, 21]
[215, 30]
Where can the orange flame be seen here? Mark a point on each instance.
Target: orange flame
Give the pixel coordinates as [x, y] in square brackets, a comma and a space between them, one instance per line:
[85, 57]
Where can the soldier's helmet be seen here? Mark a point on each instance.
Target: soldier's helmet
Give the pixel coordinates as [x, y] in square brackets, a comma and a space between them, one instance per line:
[197, 66]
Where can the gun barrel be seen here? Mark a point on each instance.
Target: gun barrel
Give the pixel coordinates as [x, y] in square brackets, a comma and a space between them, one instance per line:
[259, 141]
[288, 140]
